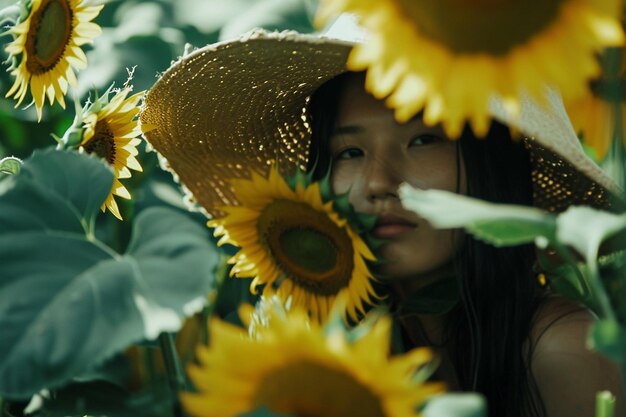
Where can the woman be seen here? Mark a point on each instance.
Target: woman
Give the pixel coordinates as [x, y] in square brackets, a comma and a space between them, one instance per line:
[241, 106]
[507, 338]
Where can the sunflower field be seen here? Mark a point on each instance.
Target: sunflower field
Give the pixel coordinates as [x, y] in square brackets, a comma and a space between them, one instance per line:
[119, 297]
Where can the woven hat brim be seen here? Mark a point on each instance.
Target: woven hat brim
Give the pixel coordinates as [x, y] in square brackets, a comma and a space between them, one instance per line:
[238, 106]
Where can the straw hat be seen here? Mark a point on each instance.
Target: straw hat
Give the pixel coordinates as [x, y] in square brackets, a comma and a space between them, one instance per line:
[238, 106]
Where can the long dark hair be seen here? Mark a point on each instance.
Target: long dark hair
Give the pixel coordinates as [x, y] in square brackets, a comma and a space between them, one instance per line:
[489, 329]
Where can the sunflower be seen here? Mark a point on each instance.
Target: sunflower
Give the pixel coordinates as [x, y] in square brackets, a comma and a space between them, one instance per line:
[111, 132]
[594, 116]
[49, 40]
[290, 237]
[449, 57]
[295, 367]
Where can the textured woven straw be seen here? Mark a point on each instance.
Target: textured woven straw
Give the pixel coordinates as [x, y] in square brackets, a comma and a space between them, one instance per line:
[239, 106]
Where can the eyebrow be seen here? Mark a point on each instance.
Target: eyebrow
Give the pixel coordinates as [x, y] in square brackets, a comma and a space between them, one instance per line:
[347, 130]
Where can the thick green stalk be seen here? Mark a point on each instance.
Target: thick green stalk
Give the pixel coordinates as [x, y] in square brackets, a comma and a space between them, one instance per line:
[605, 404]
[174, 369]
[600, 293]
[594, 283]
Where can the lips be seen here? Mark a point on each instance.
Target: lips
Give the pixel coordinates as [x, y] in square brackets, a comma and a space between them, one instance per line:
[390, 225]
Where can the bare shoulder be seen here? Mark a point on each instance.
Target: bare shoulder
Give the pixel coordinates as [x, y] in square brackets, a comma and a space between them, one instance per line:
[568, 375]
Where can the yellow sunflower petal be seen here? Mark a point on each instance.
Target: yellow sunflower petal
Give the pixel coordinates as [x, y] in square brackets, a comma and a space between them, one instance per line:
[111, 204]
[292, 239]
[282, 366]
[109, 141]
[448, 58]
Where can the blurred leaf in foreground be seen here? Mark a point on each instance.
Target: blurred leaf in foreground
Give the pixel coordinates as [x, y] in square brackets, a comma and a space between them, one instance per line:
[68, 301]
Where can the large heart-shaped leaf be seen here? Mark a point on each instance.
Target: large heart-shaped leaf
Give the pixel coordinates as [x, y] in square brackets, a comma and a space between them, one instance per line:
[67, 300]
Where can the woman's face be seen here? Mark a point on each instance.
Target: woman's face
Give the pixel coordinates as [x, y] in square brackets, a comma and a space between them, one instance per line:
[371, 155]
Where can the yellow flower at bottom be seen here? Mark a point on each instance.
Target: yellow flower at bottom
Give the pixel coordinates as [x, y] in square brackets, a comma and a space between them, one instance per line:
[293, 367]
[111, 132]
[448, 57]
[48, 42]
[292, 238]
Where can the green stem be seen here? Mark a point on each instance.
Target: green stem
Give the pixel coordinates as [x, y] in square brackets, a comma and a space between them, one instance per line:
[221, 277]
[566, 254]
[605, 404]
[622, 369]
[174, 369]
[616, 164]
[600, 292]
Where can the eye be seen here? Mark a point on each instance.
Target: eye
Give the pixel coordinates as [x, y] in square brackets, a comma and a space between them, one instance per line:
[349, 153]
[424, 139]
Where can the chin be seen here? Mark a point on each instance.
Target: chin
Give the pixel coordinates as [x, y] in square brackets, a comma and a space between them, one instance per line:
[401, 264]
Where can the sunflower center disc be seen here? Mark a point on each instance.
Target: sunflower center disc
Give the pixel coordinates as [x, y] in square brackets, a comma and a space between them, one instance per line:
[102, 143]
[310, 249]
[307, 245]
[49, 35]
[481, 26]
[289, 390]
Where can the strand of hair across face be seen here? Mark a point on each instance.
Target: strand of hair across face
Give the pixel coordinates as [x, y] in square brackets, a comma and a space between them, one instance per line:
[468, 303]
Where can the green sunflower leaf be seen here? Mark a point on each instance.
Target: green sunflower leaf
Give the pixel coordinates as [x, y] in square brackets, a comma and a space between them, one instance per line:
[68, 302]
[498, 224]
[585, 228]
[54, 191]
[511, 231]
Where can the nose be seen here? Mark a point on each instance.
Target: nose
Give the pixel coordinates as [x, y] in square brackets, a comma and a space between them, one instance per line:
[382, 178]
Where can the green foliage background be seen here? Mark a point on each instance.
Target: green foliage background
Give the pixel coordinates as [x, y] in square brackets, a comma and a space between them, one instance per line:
[97, 358]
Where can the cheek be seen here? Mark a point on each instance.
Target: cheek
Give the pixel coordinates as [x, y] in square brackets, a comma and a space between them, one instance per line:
[437, 170]
[343, 177]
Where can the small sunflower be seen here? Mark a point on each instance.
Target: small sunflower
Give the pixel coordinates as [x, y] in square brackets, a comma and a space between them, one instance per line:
[291, 237]
[48, 40]
[111, 132]
[297, 368]
[595, 117]
[448, 57]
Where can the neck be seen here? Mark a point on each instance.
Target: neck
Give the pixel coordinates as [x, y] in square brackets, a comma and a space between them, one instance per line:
[404, 287]
[421, 327]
